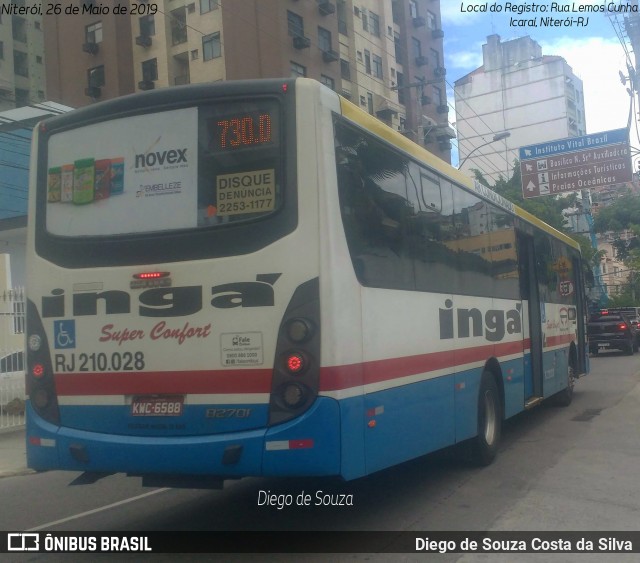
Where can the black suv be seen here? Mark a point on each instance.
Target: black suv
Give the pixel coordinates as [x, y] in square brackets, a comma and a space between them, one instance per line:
[609, 330]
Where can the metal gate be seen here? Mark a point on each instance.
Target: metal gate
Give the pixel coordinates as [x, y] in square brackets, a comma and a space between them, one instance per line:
[12, 334]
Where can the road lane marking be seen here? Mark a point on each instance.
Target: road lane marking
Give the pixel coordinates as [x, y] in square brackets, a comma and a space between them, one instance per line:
[95, 510]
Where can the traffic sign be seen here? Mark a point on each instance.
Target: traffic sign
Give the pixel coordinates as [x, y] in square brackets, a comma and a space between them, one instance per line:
[576, 163]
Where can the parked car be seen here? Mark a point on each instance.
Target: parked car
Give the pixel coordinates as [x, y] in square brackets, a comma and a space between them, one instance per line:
[612, 330]
[633, 313]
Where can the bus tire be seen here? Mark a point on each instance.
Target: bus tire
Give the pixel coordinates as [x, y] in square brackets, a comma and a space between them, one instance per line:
[484, 447]
[564, 397]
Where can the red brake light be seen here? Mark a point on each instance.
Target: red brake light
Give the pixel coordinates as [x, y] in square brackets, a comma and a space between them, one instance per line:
[295, 362]
[622, 326]
[150, 275]
[37, 370]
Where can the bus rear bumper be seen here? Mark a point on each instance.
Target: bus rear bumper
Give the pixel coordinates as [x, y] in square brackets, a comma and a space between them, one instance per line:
[307, 445]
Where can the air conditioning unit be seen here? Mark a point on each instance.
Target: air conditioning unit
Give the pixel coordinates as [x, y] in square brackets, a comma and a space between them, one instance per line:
[330, 56]
[326, 8]
[437, 33]
[443, 108]
[143, 40]
[301, 42]
[419, 22]
[146, 85]
[91, 48]
[422, 60]
[425, 100]
[92, 91]
[440, 71]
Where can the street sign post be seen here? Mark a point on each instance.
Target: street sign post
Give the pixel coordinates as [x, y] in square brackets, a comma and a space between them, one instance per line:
[576, 163]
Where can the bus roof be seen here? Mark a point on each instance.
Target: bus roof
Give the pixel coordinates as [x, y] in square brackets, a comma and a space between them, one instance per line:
[353, 113]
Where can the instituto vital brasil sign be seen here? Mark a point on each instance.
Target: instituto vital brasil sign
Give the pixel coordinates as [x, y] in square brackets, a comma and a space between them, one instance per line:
[576, 163]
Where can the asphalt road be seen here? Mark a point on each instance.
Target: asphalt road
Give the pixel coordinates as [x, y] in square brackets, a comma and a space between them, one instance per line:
[571, 468]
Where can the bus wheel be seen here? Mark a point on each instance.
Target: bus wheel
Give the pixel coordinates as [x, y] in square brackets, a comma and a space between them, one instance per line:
[564, 397]
[485, 444]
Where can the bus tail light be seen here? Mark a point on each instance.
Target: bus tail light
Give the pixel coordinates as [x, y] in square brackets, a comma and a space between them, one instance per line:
[295, 363]
[296, 371]
[39, 381]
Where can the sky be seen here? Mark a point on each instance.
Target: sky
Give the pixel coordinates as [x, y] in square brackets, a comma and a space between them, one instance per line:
[595, 52]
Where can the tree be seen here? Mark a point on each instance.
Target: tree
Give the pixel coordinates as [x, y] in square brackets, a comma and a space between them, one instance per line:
[547, 208]
[624, 215]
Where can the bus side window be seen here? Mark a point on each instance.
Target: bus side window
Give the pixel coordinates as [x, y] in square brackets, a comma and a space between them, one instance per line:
[374, 209]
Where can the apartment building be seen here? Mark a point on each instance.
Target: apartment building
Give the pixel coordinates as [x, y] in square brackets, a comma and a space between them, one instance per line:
[22, 76]
[384, 55]
[534, 97]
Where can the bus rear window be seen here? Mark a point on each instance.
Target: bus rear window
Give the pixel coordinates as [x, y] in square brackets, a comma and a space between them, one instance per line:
[187, 168]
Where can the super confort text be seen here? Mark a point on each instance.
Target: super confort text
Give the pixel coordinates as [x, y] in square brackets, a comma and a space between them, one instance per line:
[554, 7]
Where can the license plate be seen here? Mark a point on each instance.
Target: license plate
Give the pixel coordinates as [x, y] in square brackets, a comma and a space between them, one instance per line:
[157, 406]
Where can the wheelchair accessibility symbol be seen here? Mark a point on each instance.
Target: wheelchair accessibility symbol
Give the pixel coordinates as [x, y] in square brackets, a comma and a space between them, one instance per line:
[64, 333]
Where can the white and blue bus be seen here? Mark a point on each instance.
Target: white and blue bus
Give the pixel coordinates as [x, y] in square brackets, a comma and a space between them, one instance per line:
[259, 278]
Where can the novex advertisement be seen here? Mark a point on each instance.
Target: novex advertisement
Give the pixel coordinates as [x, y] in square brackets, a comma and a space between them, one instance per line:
[132, 175]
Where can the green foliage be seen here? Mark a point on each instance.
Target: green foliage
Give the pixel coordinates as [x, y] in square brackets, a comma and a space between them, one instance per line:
[547, 208]
[621, 215]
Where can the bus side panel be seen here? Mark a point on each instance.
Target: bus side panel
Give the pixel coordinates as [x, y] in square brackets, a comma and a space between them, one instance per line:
[408, 376]
[560, 331]
[308, 445]
[341, 312]
[413, 420]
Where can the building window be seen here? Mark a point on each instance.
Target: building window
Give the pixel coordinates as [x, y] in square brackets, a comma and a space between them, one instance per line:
[211, 46]
[370, 102]
[328, 81]
[436, 93]
[395, 11]
[367, 61]
[397, 47]
[374, 21]
[401, 89]
[377, 66]
[413, 8]
[324, 39]
[432, 20]
[150, 70]
[295, 24]
[178, 26]
[38, 59]
[207, 6]
[345, 69]
[19, 29]
[435, 58]
[95, 76]
[147, 26]
[93, 33]
[22, 97]
[365, 21]
[298, 70]
[417, 47]
[20, 63]
[342, 18]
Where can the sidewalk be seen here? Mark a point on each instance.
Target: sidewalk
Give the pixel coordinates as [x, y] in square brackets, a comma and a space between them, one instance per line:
[13, 452]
